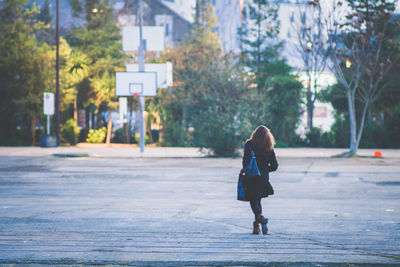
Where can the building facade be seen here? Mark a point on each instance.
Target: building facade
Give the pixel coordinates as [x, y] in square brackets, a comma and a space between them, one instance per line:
[156, 13]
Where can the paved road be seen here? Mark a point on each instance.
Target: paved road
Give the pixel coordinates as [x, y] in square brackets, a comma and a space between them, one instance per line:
[132, 151]
[182, 211]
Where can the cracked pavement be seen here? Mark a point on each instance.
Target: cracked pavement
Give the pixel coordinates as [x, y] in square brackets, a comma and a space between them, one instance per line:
[183, 211]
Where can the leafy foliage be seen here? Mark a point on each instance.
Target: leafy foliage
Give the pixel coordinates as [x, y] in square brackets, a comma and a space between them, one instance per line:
[24, 71]
[70, 132]
[97, 136]
[204, 108]
[357, 43]
[269, 74]
[99, 52]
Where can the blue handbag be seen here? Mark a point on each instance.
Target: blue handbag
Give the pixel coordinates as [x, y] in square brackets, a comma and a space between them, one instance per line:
[241, 188]
[250, 170]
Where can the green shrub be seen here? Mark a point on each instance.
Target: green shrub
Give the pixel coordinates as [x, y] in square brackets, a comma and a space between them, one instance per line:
[392, 128]
[146, 139]
[70, 132]
[327, 139]
[374, 135]
[280, 144]
[175, 134]
[342, 132]
[119, 136]
[297, 141]
[317, 138]
[314, 136]
[96, 136]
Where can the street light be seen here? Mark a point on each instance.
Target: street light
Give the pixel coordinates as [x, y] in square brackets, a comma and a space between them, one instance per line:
[309, 46]
[348, 63]
[58, 72]
[95, 10]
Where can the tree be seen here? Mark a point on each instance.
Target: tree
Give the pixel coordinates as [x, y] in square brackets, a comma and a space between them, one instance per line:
[259, 28]
[106, 99]
[312, 47]
[100, 41]
[47, 33]
[205, 106]
[272, 84]
[381, 121]
[75, 71]
[45, 13]
[356, 42]
[24, 70]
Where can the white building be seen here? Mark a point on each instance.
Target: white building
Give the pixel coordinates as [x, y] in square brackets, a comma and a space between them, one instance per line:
[290, 14]
[229, 19]
[185, 8]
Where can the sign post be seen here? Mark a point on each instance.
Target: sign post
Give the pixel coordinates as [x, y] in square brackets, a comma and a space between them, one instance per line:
[48, 110]
[141, 84]
[141, 69]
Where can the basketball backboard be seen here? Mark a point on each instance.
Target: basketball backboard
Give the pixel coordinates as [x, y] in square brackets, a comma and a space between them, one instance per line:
[131, 83]
[164, 72]
[153, 38]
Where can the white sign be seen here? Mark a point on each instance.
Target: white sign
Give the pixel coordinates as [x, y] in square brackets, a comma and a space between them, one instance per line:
[153, 38]
[48, 103]
[131, 83]
[123, 110]
[164, 72]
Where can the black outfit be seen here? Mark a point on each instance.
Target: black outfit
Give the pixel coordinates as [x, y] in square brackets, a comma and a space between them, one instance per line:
[259, 187]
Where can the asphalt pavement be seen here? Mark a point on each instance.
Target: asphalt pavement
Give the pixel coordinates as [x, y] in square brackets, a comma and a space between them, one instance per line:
[178, 207]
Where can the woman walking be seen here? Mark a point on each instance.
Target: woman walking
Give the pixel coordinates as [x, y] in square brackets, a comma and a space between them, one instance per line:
[262, 143]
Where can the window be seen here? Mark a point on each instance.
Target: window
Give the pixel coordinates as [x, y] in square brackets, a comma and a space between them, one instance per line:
[303, 17]
[167, 22]
[166, 29]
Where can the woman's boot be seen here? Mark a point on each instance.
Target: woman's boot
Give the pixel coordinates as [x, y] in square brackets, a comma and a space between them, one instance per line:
[256, 228]
[263, 221]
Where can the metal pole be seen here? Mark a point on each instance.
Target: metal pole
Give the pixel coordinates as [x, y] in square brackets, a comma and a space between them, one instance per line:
[48, 125]
[58, 74]
[141, 69]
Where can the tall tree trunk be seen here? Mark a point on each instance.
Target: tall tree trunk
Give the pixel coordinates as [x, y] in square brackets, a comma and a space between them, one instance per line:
[33, 132]
[361, 127]
[309, 103]
[126, 133]
[197, 15]
[109, 128]
[148, 126]
[76, 109]
[352, 121]
[98, 120]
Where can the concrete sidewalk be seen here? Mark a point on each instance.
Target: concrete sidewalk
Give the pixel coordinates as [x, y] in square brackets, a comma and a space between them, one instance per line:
[102, 151]
[176, 211]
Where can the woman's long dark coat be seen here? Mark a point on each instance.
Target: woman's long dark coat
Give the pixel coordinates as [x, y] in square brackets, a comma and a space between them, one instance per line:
[259, 186]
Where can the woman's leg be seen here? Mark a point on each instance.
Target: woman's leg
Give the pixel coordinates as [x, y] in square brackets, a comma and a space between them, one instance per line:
[260, 219]
[256, 208]
[255, 205]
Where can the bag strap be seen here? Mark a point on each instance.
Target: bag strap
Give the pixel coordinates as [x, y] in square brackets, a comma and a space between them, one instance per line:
[253, 155]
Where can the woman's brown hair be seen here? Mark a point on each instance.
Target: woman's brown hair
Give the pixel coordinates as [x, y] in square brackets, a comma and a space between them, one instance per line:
[262, 138]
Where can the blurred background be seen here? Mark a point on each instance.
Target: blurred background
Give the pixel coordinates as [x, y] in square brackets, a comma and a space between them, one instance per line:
[317, 73]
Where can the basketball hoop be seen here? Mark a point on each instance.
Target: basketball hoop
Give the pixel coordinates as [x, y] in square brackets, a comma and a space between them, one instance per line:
[135, 94]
